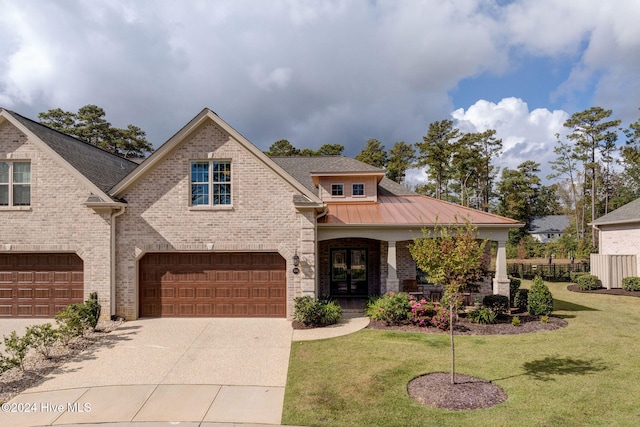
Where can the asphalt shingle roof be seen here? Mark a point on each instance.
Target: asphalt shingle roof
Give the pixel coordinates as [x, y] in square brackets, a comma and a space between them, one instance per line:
[549, 224]
[301, 168]
[626, 213]
[102, 168]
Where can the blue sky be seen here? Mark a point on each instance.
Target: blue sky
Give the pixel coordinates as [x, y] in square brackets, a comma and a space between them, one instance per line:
[328, 71]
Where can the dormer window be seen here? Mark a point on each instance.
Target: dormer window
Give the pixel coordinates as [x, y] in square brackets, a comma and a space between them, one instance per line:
[337, 190]
[357, 190]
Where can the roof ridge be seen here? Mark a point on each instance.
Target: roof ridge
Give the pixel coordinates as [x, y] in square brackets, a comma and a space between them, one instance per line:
[66, 135]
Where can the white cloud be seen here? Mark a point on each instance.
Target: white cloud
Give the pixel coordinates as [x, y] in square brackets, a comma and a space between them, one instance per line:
[526, 135]
[315, 72]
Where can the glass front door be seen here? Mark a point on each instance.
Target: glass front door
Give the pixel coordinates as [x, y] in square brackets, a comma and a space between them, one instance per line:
[349, 272]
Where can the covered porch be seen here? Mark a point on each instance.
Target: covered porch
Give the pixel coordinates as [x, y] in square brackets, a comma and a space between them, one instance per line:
[363, 248]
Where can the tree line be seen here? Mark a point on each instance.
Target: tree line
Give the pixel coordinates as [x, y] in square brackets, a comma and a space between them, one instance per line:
[592, 175]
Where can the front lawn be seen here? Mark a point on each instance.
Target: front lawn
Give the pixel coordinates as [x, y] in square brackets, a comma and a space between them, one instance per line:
[584, 374]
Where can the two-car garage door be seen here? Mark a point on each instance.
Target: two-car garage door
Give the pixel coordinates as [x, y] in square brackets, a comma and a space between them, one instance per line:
[39, 285]
[238, 284]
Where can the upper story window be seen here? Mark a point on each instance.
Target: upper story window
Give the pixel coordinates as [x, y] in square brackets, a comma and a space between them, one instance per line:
[15, 184]
[357, 190]
[211, 183]
[337, 190]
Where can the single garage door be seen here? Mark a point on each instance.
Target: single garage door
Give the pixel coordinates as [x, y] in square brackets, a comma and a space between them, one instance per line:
[39, 285]
[245, 284]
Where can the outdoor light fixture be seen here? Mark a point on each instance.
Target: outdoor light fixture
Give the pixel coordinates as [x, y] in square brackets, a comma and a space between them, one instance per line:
[296, 262]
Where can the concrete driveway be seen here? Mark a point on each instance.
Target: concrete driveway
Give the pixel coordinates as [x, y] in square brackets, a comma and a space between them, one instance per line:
[168, 370]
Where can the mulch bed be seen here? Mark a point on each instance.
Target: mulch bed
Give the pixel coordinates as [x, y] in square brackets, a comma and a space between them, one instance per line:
[467, 393]
[464, 326]
[604, 291]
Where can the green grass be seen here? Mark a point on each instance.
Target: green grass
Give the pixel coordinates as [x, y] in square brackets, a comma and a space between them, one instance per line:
[584, 374]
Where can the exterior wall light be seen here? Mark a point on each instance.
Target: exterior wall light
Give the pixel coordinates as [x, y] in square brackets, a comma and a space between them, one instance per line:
[296, 262]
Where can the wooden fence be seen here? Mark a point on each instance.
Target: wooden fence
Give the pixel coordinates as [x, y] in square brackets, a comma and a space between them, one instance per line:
[550, 272]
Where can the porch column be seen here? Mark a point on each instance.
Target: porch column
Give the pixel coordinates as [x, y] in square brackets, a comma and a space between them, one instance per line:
[393, 284]
[501, 281]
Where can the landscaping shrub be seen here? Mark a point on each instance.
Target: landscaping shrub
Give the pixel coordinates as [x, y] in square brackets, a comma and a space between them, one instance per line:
[42, 338]
[514, 286]
[483, 315]
[313, 312]
[441, 319]
[515, 321]
[521, 299]
[631, 283]
[540, 300]
[392, 308]
[587, 282]
[77, 318]
[573, 276]
[499, 304]
[421, 312]
[17, 348]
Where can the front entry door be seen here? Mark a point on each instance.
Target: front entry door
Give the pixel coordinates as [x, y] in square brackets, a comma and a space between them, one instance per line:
[349, 272]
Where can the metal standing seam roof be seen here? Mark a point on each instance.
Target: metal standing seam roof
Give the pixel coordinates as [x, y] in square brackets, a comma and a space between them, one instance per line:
[408, 210]
[102, 168]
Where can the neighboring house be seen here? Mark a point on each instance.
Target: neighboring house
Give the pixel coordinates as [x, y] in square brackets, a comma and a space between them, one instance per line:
[206, 226]
[544, 229]
[619, 245]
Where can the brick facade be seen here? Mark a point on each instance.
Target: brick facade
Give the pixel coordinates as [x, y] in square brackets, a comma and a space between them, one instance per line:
[57, 220]
[262, 217]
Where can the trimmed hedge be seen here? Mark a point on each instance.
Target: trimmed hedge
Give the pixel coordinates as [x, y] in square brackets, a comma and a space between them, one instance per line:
[631, 283]
[313, 312]
[575, 275]
[588, 282]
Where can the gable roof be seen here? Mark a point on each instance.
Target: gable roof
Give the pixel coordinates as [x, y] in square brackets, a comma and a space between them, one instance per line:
[625, 214]
[310, 197]
[99, 167]
[549, 224]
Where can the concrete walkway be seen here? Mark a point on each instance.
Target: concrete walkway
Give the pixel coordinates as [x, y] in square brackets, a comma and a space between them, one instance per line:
[160, 372]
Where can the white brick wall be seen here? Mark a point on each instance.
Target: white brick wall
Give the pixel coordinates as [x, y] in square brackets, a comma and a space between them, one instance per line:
[621, 239]
[262, 218]
[57, 220]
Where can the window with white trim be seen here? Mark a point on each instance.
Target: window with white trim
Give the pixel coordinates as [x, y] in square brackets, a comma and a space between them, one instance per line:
[211, 183]
[357, 190]
[15, 184]
[337, 190]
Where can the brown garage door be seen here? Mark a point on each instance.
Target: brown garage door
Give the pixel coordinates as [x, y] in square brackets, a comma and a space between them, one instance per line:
[39, 285]
[242, 284]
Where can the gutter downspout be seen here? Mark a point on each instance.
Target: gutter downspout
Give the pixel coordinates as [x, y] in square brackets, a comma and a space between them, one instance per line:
[112, 297]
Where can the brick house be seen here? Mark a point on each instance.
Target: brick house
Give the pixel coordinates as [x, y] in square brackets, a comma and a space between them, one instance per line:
[206, 226]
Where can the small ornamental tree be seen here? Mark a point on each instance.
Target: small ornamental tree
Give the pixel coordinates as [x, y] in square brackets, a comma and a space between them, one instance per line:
[451, 256]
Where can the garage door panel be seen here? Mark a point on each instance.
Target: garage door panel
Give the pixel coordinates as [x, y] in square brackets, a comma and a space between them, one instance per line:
[213, 285]
[39, 285]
